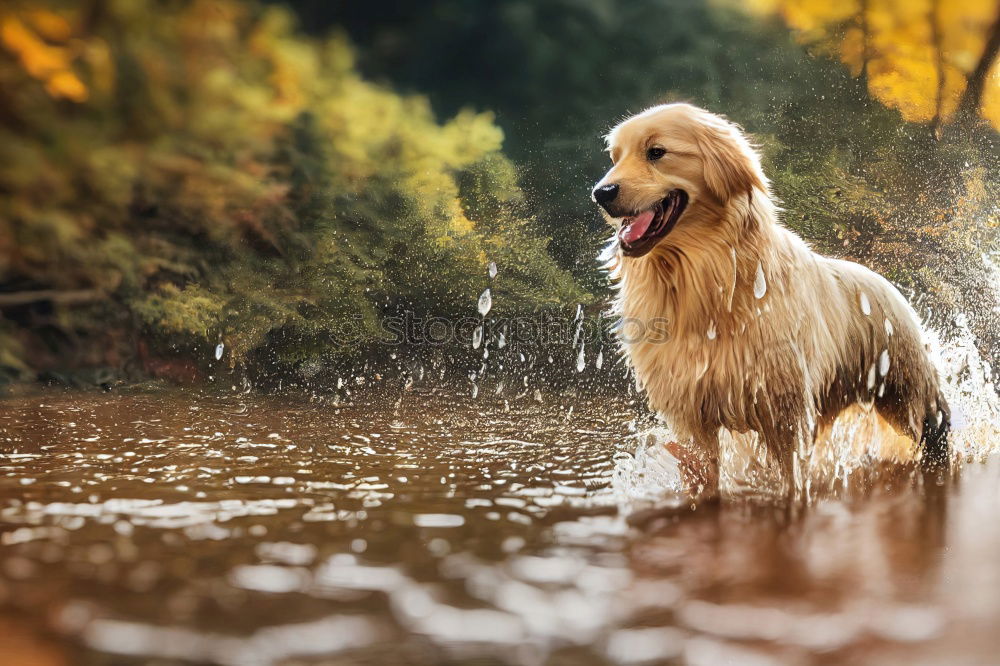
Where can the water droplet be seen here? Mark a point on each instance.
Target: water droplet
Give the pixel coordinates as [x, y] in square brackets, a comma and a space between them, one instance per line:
[501, 341]
[219, 348]
[477, 337]
[711, 330]
[492, 269]
[475, 390]
[759, 282]
[581, 361]
[883, 363]
[599, 361]
[608, 253]
[485, 302]
[866, 306]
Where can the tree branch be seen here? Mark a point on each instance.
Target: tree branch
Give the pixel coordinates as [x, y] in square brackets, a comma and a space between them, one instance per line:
[15, 298]
[934, 18]
[972, 98]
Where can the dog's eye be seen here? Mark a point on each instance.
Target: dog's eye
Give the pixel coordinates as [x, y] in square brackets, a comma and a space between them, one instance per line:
[655, 153]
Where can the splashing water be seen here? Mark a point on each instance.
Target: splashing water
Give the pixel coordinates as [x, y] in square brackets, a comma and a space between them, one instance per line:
[866, 306]
[345, 530]
[608, 256]
[856, 440]
[485, 303]
[759, 283]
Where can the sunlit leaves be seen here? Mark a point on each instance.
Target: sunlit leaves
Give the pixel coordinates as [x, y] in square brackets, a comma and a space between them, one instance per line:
[919, 56]
[27, 35]
[223, 177]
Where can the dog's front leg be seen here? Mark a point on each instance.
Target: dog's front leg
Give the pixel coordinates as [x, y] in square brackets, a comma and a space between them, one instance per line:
[698, 459]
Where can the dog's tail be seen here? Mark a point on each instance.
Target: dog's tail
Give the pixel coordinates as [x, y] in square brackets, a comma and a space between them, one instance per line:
[934, 437]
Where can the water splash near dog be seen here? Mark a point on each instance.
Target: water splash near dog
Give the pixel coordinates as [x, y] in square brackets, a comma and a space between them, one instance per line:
[858, 447]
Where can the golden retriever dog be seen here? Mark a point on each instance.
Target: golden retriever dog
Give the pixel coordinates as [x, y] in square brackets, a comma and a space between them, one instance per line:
[761, 334]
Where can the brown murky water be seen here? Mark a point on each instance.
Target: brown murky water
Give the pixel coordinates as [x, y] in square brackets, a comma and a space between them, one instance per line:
[176, 527]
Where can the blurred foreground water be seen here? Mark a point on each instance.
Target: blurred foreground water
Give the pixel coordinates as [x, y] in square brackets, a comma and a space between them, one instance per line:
[177, 527]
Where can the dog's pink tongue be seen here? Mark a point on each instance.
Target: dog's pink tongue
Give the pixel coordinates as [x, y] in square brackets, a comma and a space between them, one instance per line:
[637, 227]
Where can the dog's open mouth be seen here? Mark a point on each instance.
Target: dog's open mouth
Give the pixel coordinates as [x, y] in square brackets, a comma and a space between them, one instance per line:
[641, 232]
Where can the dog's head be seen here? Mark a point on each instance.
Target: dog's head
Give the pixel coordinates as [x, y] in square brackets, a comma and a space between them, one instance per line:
[673, 163]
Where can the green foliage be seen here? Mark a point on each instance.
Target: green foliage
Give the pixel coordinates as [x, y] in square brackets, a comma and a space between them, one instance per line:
[185, 173]
[854, 177]
[217, 176]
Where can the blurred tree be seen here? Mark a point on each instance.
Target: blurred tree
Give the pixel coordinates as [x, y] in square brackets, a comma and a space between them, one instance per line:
[173, 175]
[934, 60]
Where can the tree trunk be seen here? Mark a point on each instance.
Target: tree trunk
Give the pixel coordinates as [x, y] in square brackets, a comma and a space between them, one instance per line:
[972, 98]
[16, 298]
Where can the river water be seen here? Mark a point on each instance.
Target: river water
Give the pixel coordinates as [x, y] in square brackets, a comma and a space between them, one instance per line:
[174, 526]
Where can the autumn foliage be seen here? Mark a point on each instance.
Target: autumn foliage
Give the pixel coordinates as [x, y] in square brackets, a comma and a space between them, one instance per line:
[934, 60]
[179, 175]
[208, 175]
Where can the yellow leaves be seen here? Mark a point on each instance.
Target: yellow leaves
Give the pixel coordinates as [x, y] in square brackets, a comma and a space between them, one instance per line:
[52, 65]
[460, 224]
[38, 58]
[991, 96]
[293, 61]
[471, 136]
[852, 50]
[49, 25]
[918, 55]
[190, 310]
[812, 17]
[66, 84]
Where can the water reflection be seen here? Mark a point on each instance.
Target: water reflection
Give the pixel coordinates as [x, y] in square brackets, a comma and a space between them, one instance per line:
[174, 528]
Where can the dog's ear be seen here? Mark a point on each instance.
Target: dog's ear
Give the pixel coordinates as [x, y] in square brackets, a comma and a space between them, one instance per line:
[732, 167]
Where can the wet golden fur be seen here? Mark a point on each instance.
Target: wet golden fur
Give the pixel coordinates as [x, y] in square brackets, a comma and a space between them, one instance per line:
[825, 334]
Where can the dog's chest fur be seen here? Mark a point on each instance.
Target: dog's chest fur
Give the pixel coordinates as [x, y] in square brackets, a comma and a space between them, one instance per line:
[744, 344]
[768, 336]
[704, 366]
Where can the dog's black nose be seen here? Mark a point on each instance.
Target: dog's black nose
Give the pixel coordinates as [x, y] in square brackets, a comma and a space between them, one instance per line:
[605, 194]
